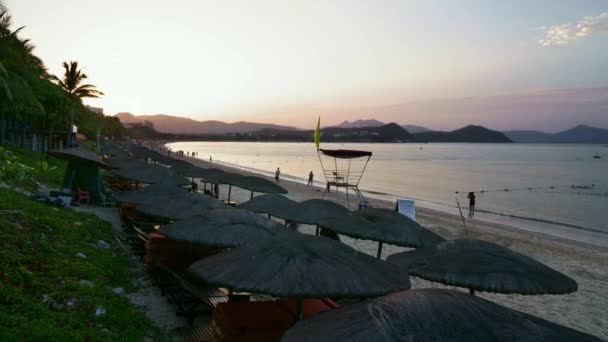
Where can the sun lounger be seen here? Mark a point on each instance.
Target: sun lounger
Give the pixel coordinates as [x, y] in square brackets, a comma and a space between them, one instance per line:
[262, 320]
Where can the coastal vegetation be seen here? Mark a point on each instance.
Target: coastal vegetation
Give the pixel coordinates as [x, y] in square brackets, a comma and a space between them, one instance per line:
[33, 100]
[56, 284]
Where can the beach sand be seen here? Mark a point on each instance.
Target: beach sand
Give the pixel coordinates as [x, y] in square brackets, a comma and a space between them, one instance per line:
[585, 310]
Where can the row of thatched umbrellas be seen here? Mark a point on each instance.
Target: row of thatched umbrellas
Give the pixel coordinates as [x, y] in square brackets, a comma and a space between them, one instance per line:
[265, 258]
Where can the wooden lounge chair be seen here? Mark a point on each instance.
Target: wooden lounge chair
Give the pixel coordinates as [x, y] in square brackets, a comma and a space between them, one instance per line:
[82, 195]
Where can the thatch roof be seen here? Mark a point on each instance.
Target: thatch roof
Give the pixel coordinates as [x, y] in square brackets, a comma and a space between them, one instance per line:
[254, 183]
[110, 148]
[273, 204]
[223, 228]
[179, 206]
[315, 211]
[147, 173]
[428, 315]
[158, 191]
[79, 155]
[383, 225]
[301, 266]
[186, 169]
[483, 266]
[141, 152]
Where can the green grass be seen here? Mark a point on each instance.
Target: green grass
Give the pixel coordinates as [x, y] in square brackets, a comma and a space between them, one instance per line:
[40, 276]
[52, 174]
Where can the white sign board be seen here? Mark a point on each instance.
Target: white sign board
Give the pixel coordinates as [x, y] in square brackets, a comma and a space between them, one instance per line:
[407, 208]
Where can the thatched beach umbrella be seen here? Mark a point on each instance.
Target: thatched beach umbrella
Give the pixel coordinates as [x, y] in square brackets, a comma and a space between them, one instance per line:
[483, 266]
[429, 315]
[157, 191]
[112, 149]
[251, 183]
[384, 226]
[179, 206]
[80, 155]
[273, 205]
[301, 266]
[257, 184]
[141, 152]
[315, 211]
[186, 169]
[224, 228]
[146, 173]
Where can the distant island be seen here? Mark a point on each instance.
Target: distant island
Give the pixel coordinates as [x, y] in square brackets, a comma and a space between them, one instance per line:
[578, 135]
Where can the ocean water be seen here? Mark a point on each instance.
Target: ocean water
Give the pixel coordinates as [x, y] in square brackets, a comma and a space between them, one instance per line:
[437, 174]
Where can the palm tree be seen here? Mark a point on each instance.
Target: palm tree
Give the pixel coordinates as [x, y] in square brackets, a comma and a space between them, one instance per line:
[71, 83]
[72, 79]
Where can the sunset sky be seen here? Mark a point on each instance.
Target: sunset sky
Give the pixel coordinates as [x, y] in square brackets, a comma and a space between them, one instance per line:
[505, 64]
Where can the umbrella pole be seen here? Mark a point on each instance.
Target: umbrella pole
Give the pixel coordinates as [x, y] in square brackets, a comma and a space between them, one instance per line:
[251, 197]
[379, 250]
[229, 191]
[299, 309]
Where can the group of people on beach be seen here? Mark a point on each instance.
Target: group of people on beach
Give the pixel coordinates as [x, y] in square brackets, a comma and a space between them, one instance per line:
[277, 176]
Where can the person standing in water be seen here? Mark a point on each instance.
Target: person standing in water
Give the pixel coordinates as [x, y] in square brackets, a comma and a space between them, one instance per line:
[471, 197]
[277, 174]
[310, 178]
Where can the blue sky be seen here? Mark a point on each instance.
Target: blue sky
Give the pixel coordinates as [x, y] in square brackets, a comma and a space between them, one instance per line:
[290, 61]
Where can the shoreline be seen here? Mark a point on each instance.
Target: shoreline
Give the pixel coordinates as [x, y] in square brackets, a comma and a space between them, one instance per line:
[298, 191]
[552, 229]
[587, 264]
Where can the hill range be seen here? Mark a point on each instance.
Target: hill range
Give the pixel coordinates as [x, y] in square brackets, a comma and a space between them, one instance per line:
[356, 131]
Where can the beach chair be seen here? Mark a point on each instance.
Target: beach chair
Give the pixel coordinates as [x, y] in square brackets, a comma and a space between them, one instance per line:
[82, 195]
[406, 207]
[262, 320]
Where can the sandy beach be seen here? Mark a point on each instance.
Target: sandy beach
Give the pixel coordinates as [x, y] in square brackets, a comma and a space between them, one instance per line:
[585, 310]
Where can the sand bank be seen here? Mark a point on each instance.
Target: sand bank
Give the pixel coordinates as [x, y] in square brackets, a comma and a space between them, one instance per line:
[585, 310]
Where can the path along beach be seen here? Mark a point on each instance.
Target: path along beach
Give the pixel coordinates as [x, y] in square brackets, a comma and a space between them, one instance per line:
[585, 310]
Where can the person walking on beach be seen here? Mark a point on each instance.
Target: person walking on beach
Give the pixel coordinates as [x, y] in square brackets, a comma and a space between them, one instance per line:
[310, 178]
[210, 159]
[471, 197]
[277, 174]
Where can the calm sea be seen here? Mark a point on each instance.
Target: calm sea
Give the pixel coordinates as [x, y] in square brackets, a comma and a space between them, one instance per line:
[433, 173]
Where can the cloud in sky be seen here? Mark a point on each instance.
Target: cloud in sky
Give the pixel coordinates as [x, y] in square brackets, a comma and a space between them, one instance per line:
[569, 32]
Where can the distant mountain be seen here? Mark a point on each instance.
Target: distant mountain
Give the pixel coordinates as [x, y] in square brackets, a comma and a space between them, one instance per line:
[578, 135]
[360, 124]
[178, 125]
[375, 123]
[386, 133]
[468, 134]
[416, 129]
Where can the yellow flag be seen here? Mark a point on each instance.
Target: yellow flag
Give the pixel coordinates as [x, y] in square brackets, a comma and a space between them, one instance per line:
[317, 135]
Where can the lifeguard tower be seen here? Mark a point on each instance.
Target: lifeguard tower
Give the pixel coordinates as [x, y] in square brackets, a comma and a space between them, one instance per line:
[344, 169]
